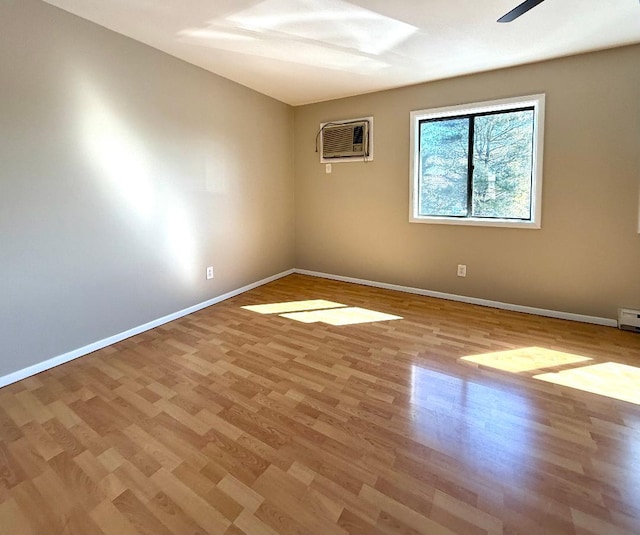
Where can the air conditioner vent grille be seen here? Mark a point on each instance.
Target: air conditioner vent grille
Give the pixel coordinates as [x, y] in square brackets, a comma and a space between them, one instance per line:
[346, 140]
[342, 139]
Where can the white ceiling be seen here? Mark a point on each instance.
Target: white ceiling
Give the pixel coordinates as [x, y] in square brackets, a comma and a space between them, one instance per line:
[301, 51]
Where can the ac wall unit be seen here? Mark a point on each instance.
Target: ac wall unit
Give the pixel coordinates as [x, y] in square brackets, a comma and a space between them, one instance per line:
[629, 320]
[350, 140]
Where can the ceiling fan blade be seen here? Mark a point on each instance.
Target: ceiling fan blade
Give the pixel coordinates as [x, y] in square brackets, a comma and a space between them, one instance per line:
[519, 10]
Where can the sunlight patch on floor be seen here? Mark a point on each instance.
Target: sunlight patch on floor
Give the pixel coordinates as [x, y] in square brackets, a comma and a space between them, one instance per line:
[320, 310]
[611, 379]
[292, 306]
[524, 359]
[341, 316]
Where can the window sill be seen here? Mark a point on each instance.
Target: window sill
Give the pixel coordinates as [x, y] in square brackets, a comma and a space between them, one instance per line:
[475, 222]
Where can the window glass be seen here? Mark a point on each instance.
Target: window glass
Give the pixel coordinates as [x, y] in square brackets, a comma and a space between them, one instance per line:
[443, 159]
[502, 152]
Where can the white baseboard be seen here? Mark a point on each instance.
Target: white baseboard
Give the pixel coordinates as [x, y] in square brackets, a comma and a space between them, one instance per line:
[80, 352]
[76, 353]
[464, 299]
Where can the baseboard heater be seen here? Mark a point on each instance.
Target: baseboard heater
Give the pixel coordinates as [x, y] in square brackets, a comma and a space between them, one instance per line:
[629, 320]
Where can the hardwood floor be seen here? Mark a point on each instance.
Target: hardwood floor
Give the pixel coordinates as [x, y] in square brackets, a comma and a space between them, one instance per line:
[234, 421]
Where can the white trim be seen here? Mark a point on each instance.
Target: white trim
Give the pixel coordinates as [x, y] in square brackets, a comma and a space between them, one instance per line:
[82, 351]
[474, 222]
[538, 103]
[471, 300]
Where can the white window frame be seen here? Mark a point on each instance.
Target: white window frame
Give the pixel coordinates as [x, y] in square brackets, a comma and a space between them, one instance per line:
[538, 103]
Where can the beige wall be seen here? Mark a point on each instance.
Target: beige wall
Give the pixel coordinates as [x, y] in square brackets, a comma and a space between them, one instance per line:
[586, 257]
[124, 173]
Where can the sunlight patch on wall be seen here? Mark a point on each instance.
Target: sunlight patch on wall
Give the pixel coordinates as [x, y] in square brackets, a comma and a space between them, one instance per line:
[524, 359]
[610, 379]
[126, 166]
[180, 241]
[114, 150]
[292, 306]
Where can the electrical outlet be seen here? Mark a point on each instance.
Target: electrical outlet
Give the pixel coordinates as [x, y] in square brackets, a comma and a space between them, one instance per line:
[210, 272]
[462, 270]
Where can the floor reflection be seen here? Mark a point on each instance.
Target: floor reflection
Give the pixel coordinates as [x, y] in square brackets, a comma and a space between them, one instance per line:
[486, 427]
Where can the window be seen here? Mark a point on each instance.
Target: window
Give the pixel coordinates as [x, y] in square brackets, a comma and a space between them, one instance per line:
[478, 164]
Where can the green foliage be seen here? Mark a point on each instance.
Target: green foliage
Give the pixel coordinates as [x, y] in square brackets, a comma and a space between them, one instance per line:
[502, 165]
